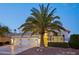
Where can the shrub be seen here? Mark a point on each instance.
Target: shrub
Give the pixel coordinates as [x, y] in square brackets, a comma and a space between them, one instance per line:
[58, 44]
[1, 43]
[74, 41]
[7, 42]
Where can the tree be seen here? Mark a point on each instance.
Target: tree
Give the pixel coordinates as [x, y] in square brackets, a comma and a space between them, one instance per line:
[41, 20]
[4, 30]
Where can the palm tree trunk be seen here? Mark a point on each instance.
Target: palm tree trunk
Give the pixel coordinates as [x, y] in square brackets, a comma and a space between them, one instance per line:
[42, 40]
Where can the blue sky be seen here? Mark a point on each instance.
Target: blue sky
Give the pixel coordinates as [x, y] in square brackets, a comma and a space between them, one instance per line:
[13, 15]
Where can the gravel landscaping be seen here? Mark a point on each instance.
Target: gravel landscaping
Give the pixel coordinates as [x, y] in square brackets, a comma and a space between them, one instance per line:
[50, 51]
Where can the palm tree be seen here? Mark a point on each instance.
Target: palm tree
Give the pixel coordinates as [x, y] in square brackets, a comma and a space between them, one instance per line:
[41, 20]
[4, 30]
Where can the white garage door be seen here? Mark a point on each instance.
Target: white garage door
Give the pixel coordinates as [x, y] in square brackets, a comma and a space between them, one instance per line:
[26, 42]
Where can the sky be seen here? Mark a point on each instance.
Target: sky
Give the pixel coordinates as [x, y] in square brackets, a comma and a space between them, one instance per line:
[14, 14]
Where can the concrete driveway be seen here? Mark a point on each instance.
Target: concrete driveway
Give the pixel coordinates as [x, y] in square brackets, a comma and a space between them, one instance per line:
[12, 50]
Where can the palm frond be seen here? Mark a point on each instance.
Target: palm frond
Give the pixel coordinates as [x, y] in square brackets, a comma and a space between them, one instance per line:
[58, 23]
[55, 17]
[52, 12]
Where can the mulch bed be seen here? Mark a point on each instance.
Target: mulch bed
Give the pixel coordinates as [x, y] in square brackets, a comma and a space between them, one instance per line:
[50, 51]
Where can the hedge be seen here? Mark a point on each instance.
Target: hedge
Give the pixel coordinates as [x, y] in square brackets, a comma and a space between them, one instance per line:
[58, 44]
[7, 43]
[74, 41]
[1, 43]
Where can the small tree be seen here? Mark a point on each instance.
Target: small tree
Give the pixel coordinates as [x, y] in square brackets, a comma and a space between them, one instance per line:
[4, 30]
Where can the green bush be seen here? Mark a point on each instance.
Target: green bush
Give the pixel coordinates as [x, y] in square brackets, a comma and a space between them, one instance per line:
[58, 44]
[74, 41]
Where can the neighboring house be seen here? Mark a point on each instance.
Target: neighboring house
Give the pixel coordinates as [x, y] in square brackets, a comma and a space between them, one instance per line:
[5, 39]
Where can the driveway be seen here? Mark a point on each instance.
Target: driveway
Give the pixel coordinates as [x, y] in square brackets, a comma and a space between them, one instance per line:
[12, 50]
